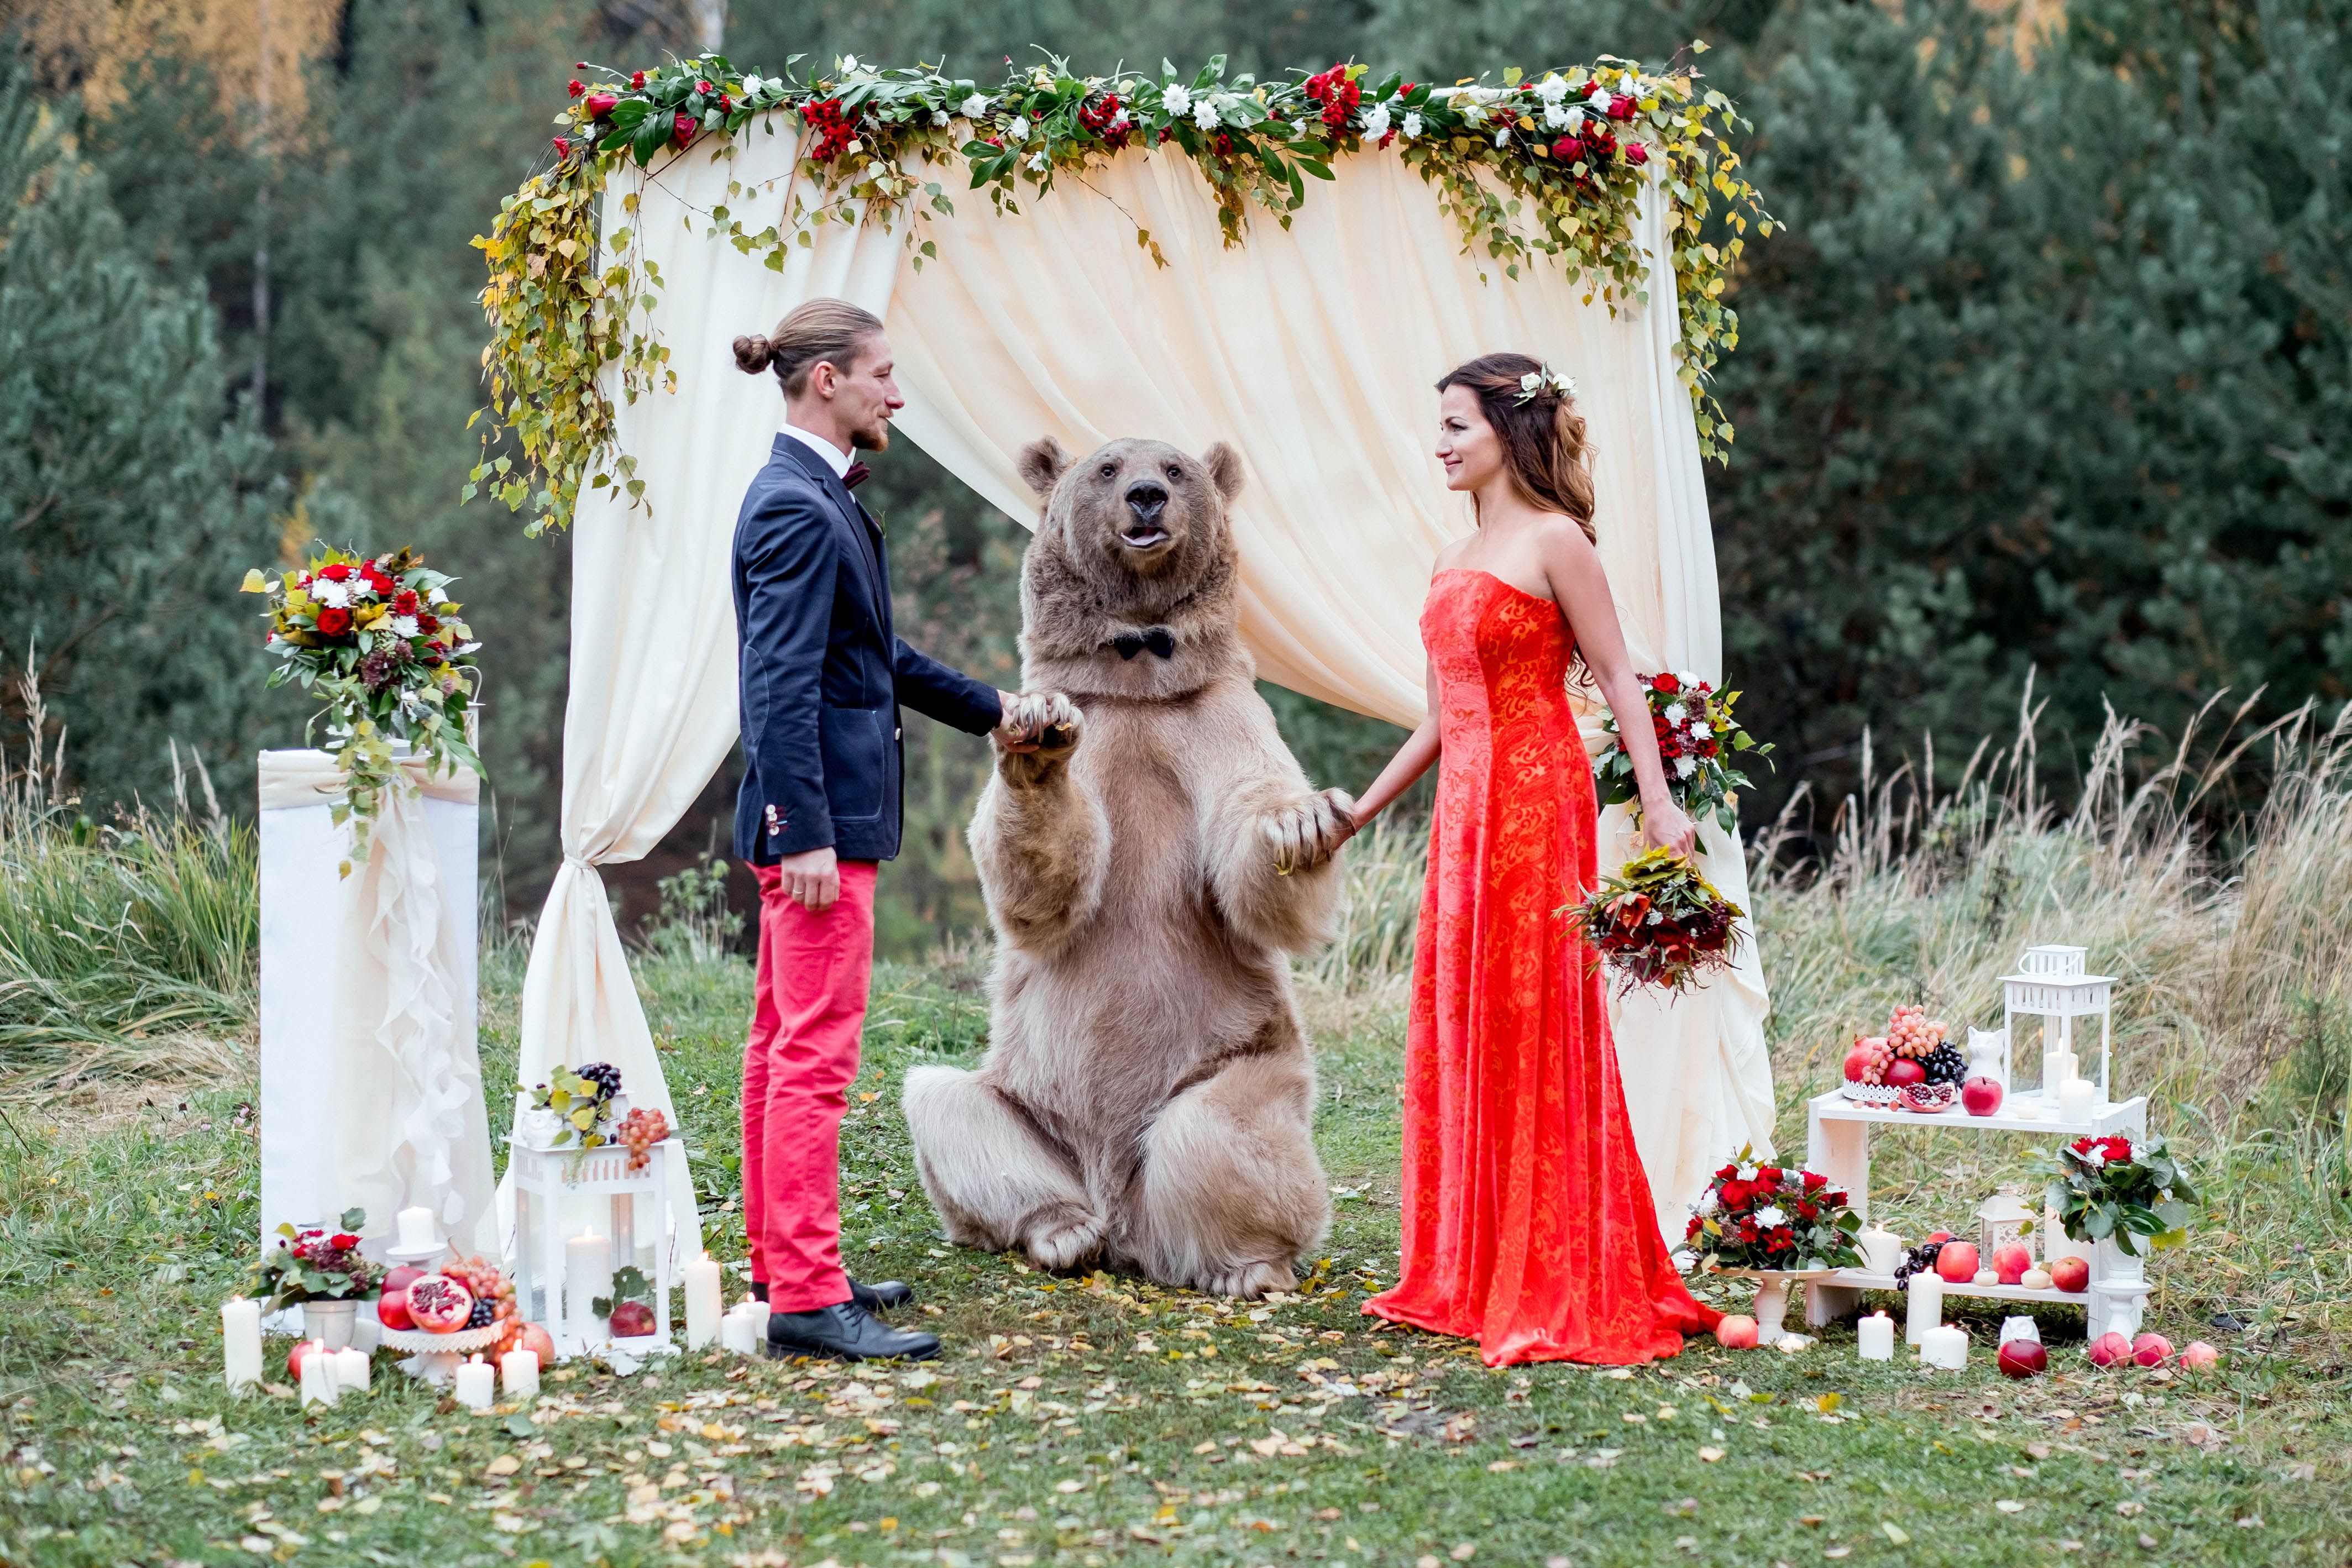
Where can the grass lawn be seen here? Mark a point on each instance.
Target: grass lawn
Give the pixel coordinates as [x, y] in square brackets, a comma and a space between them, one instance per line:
[1096, 1420]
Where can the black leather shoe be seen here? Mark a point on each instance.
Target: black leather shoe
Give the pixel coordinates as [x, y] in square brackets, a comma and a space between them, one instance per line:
[880, 1297]
[846, 1333]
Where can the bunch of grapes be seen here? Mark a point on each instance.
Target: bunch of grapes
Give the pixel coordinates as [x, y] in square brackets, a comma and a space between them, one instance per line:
[1912, 1033]
[604, 1076]
[641, 1129]
[1919, 1259]
[1878, 1053]
[494, 1294]
[1945, 1064]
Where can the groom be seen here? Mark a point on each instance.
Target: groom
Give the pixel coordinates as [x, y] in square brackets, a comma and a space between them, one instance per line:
[823, 674]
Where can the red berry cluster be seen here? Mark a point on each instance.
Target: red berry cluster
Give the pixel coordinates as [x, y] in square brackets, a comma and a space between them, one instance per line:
[1337, 94]
[1108, 119]
[835, 130]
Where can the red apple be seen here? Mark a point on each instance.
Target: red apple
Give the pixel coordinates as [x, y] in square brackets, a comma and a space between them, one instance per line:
[1981, 1097]
[2010, 1261]
[294, 1360]
[1737, 1333]
[2023, 1357]
[2110, 1348]
[2151, 1350]
[1937, 1235]
[533, 1337]
[631, 1319]
[1903, 1070]
[1956, 1262]
[2072, 1275]
[2197, 1355]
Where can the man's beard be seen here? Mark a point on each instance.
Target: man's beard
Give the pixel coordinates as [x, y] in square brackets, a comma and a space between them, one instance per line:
[875, 440]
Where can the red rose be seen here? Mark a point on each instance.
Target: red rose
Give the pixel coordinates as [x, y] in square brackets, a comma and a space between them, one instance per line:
[1805, 1209]
[682, 128]
[405, 602]
[1621, 107]
[1566, 149]
[1636, 154]
[726, 104]
[576, 88]
[702, 86]
[1768, 1176]
[334, 622]
[563, 147]
[1815, 1181]
[346, 1240]
[1736, 1193]
[601, 104]
[637, 79]
[1664, 682]
[335, 571]
[428, 624]
[1690, 1232]
[1726, 1173]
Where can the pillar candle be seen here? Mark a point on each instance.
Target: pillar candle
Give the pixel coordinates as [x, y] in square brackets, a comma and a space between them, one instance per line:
[240, 1342]
[1945, 1347]
[2057, 1066]
[518, 1369]
[587, 1274]
[367, 1330]
[1926, 1297]
[1876, 1334]
[351, 1371]
[476, 1384]
[2078, 1100]
[702, 1302]
[416, 1229]
[318, 1375]
[1882, 1250]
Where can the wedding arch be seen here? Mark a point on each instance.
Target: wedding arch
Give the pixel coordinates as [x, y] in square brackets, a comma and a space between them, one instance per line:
[1285, 264]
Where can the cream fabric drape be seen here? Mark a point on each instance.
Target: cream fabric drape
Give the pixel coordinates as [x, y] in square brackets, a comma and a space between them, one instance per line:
[1311, 350]
[651, 713]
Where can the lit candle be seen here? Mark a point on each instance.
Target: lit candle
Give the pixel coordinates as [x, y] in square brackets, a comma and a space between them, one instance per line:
[1926, 1300]
[351, 1371]
[477, 1383]
[1876, 1334]
[518, 1369]
[587, 1274]
[240, 1342]
[417, 1230]
[2078, 1100]
[1945, 1347]
[1882, 1250]
[702, 1302]
[318, 1375]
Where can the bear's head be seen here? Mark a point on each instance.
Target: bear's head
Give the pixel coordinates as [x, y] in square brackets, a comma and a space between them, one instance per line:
[1130, 586]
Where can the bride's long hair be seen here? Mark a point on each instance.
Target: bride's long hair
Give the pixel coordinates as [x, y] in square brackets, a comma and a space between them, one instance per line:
[1543, 435]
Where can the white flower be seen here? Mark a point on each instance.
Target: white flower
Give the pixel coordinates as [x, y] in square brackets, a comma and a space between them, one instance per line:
[976, 105]
[1575, 118]
[331, 593]
[403, 626]
[1178, 99]
[1708, 1203]
[1039, 161]
[1204, 115]
[1769, 1215]
[1551, 90]
[1473, 114]
[848, 64]
[751, 86]
[1531, 383]
[2095, 1157]
[1747, 1172]
[434, 596]
[939, 117]
[1685, 766]
[1503, 137]
[1598, 98]
[1686, 678]
[1376, 122]
[1411, 126]
[1700, 731]
[1018, 130]
[1676, 712]
[1555, 118]
[1120, 121]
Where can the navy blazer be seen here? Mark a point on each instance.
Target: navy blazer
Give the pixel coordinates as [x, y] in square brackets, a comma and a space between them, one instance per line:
[822, 672]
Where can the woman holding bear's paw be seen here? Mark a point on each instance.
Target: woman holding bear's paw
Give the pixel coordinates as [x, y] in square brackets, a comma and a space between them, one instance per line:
[1528, 1219]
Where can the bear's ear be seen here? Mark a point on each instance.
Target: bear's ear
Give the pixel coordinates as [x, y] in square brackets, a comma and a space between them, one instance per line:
[1043, 464]
[1224, 469]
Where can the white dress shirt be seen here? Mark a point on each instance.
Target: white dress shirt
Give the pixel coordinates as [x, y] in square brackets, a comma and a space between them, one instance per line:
[833, 456]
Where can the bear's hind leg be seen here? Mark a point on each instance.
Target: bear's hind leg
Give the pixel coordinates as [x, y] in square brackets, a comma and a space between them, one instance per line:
[1231, 1193]
[996, 1182]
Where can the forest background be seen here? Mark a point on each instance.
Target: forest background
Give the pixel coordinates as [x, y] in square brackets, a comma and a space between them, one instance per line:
[2047, 375]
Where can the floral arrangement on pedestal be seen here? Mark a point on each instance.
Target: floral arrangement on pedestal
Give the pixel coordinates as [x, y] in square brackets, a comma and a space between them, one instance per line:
[2108, 1189]
[1548, 164]
[379, 639]
[1696, 738]
[1659, 922]
[319, 1264]
[1773, 1218]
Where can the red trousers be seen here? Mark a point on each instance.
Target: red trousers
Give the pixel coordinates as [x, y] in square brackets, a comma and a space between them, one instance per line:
[808, 1010]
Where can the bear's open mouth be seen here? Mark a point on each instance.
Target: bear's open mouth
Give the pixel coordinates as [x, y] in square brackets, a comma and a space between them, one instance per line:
[1143, 535]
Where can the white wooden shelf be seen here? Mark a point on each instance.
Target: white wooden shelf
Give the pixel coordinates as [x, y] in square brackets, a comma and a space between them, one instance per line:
[1864, 1279]
[2107, 1118]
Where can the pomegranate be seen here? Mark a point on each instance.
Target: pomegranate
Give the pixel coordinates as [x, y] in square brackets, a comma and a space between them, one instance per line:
[1737, 1332]
[2023, 1357]
[2072, 1275]
[2110, 1348]
[1956, 1262]
[1857, 1065]
[2151, 1350]
[631, 1319]
[534, 1337]
[1982, 1096]
[1904, 1070]
[2010, 1261]
[439, 1304]
[2197, 1356]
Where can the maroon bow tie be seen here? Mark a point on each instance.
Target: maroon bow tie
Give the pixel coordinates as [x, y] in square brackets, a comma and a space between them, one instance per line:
[854, 474]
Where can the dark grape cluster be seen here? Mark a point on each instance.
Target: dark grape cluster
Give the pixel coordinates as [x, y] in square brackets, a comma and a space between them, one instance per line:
[484, 1315]
[604, 1076]
[1945, 1064]
[1917, 1260]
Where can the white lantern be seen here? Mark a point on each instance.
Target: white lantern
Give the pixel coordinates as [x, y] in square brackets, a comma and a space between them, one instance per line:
[2050, 985]
[2002, 1218]
[557, 1276]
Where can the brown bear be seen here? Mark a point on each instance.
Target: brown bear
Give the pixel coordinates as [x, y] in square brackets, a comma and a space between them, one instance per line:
[1147, 1097]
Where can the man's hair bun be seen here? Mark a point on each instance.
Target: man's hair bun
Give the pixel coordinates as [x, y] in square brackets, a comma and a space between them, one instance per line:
[754, 354]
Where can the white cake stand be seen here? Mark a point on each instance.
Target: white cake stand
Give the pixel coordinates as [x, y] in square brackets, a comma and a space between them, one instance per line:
[434, 1357]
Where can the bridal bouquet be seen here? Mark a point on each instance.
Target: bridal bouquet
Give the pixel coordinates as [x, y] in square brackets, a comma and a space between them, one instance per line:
[379, 639]
[1696, 738]
[1757, 1215]
[2111, 1189]
[1659, 922]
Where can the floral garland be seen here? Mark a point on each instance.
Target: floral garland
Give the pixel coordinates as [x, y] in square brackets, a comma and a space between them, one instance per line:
[1538, 166]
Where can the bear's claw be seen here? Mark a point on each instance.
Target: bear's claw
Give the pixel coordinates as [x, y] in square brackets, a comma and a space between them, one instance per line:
[1307, 833]
[1063, 1240]
[1249, 1280]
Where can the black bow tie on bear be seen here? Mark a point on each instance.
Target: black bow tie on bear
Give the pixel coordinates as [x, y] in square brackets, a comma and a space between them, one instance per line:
[1159, 639]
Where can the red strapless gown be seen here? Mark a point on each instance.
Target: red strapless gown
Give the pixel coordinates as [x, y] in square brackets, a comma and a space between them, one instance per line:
[1527, 1220]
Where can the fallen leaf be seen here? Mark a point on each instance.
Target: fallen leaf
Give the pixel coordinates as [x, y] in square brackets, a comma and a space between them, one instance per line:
[1895, 1533]
[1463, 1550]
[2009, 1505]
[1828, 1402]
[1710, 1455]
[504, 1465]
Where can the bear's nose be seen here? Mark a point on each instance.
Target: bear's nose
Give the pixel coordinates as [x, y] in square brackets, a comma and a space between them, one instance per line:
[1145, 499]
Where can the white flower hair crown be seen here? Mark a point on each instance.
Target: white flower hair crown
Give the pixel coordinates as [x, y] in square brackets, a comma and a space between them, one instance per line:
[1534, 382]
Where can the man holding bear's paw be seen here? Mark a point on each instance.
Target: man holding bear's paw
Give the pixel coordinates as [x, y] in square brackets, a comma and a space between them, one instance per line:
[822, 675]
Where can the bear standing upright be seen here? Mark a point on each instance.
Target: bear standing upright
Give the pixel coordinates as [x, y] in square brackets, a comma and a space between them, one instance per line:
[1148, 1097]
